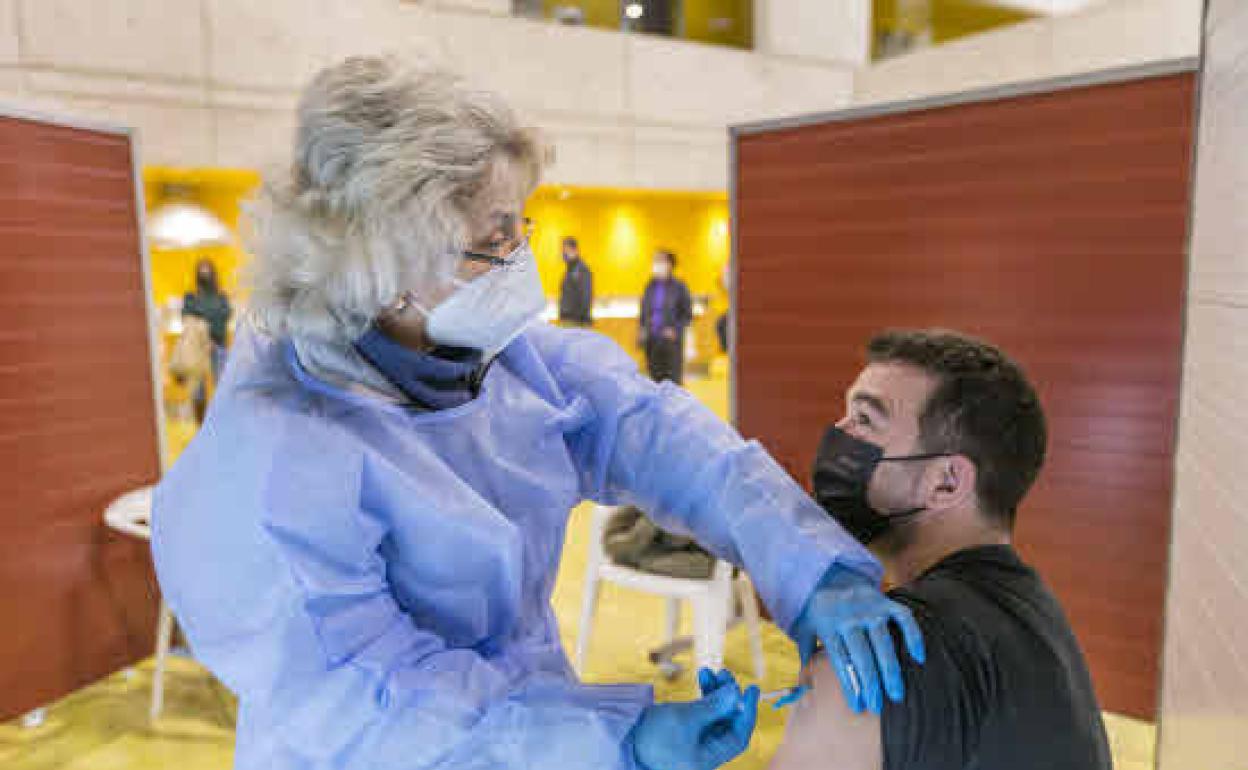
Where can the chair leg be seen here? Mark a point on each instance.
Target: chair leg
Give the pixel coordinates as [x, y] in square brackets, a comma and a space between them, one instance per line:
[721, 604]
[672, 621]
[589, 606]
[164, 638]
[709, 628]
[702, 644]
[749, 609]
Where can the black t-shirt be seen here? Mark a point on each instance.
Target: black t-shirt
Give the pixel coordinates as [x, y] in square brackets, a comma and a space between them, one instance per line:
[1005, 686]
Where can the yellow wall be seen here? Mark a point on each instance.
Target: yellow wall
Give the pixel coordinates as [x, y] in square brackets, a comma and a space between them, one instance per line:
[619, 231]
[950, 19]
[221, 191]
[699, 15]
[953, 19]
[604, 14]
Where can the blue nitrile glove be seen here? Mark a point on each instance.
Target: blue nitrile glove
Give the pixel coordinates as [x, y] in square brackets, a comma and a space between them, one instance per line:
[849, 614]
[701, 734]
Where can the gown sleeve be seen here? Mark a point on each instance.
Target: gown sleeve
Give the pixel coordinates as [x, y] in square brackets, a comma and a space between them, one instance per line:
[655, 446]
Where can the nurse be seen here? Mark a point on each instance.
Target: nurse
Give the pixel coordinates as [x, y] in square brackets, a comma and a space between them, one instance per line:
[362, 540]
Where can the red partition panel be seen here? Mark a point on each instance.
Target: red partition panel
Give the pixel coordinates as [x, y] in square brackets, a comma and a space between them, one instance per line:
[1052, 223]
[77, 412]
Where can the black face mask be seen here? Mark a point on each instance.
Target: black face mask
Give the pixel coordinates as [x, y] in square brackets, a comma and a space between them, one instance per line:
[206, 281]
[843, 469]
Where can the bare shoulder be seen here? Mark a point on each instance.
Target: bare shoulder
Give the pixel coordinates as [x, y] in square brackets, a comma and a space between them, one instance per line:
[824, 733]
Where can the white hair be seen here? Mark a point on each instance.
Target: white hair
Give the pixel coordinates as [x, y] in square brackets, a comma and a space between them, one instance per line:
[388, 158]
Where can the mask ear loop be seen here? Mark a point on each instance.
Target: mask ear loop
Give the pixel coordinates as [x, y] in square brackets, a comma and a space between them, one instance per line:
[906, 458]
[903, 515]
[407, 301]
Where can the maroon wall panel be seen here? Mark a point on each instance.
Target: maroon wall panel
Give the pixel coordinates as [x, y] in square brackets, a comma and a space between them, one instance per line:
[77, 413]
[1052, 224]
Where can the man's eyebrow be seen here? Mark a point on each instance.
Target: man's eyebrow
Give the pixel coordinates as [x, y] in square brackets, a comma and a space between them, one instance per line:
[873, 401]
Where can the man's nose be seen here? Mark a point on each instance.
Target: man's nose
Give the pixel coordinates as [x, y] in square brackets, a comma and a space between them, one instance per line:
[847, 425]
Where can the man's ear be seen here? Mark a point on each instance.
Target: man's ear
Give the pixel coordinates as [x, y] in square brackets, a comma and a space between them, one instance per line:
[953, 485]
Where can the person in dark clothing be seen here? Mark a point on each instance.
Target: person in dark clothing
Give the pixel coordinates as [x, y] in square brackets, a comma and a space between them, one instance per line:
[211, 305]
[666, 312]
[208, 302]
[942, 439]
[724, 321]
[576, 294]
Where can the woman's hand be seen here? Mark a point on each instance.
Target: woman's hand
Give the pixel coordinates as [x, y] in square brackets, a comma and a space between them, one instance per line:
[701, 734]
[851, 616]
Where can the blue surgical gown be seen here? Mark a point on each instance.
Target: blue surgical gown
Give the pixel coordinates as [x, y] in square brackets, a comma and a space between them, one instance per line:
[374, 582]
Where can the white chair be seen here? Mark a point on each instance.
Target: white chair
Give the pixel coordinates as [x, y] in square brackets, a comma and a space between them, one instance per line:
[711, 599]
[132, 514]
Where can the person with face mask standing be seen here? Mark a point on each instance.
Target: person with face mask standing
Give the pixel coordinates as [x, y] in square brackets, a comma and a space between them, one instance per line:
[209, 304]
[942, 438]
[362, 540]
[576, 293]
[666, 312]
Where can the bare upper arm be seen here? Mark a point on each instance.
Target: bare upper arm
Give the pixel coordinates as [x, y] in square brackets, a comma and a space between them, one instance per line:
[824, 733]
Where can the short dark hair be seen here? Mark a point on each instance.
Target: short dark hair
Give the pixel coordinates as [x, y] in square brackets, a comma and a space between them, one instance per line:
[570, 240]
[983, 407]
[669, 255]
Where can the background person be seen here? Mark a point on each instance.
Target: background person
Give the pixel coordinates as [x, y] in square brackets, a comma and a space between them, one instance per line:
[666, 312]
[576, 293]
[211, 305]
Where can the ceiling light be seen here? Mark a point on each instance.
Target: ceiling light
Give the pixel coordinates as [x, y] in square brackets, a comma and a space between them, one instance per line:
[185, 226]
[634, 11]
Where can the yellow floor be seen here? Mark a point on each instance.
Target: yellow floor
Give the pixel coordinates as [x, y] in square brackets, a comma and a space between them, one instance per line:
[105, 726]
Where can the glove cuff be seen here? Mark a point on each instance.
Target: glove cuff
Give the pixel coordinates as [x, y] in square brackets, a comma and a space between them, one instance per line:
[840, 576]
[837, 576]
[628, 751]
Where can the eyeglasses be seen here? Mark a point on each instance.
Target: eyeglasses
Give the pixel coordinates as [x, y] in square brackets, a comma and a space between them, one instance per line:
[504, 253]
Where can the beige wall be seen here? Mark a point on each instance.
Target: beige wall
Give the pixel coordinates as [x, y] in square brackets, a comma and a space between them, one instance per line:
[830, 30]
[1204, 723]
[212, 82]
[1112, 34]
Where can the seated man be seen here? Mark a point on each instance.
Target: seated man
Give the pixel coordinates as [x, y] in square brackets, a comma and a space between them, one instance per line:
[942, 438]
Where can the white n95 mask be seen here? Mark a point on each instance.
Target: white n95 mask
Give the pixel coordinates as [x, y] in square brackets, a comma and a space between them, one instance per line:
[489, 311]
